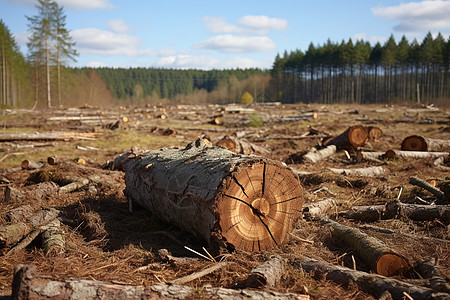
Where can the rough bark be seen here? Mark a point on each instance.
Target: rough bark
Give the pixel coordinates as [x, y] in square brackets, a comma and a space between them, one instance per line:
[29, 285]
[228, 199]
[392, 154]
[320, 207]
[53, 241]
[420, 143]
[372, 156]
[373, 284]
[437, 281]
[318, 155]
[370, 250]
[354, 136]
[34, 192]
[425, 185]
[267, 274]
[367, 172]
[13, 233]
[369, 213]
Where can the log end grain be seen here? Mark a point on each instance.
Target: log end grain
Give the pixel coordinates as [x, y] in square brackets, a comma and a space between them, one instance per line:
[414, 143]
[357, 135]
[391, 264]
[258, 205]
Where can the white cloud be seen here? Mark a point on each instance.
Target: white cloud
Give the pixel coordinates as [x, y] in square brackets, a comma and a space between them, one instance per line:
[188, 61]
[118, 25]
[76, 4]
[417, 16]
[237, 44]
[263, 24]
[247, 25]
[96, 41]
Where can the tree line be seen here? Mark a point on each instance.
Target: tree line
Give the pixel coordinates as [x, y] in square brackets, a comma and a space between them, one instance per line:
[361, 73]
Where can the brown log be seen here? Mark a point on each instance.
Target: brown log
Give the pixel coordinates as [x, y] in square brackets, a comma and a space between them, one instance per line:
[34, 192]
[52, 160]
[372, 284]
[374, 134]
[13, 233]
[30, 165]
[246, 202]
[241, 146]
[370, 250]
[318, 155]
[420, 143]
[354, 136]
[429, 269]
[392, 154]
[368, 172]
[372, 156]
[366, 213]
[53, 241]
[27, 284]
[267, 274]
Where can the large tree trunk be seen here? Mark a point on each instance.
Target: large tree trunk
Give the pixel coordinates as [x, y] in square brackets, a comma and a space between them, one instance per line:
[420, 143]
[228, 199]
[29, 285]
[354, 136]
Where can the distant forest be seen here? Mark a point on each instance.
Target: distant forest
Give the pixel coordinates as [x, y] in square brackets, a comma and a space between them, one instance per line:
[345, 72]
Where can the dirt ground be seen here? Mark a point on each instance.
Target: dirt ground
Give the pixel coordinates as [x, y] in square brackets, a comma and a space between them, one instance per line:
[104, 241]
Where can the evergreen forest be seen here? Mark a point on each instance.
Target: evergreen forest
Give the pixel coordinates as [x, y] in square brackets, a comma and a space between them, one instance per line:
[346, 72]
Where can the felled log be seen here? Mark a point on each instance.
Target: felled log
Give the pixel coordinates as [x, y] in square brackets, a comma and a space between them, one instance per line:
[372, 284]
[30, 165]
[241, 146]
[392, 154]
[429, 270]
[225, 198]
[374, 134]
[53, 241]
[425, 185]
[49, 136]
[75, 184]
[354, 136]
[267, 274]
[395, 209]
[27, 284]
[372, 156]
[13, 233]
[34, 192]
[370, 250]
[368, 172]
[420, 143]
[320, 207]
[318, 155]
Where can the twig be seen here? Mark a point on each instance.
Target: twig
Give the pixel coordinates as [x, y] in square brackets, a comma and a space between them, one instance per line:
[399, 193]
[209, 254]
[301, 240]
[408, 296]
[425, 185]
[196, 275]
[354, 263]
[192, 250]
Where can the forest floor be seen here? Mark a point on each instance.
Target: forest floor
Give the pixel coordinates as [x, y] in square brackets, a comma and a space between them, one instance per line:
[104, 241]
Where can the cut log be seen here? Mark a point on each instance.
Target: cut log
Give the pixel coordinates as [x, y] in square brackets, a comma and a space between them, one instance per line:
[30, 165]
[75, 184]
[427, 268]
[228, 199]
[53, 241]
[267, 274]
[420, 143]
[35, 192]
[374, 134]
[392, 154]
[318, 155]
[368, 172]
[373, 284]
[13, 233]
[372, 156]
[241, 146]
[354, 136]
[320, 207]
[366, 213]
[425, 185]
[370, 250]
[31, 286]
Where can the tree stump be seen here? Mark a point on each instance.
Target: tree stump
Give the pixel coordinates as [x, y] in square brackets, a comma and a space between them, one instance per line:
[228, 199]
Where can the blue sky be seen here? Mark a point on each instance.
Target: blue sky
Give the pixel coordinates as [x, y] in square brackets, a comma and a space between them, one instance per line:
[208, 34]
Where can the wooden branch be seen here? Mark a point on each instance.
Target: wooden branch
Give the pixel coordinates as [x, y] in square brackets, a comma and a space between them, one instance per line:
[320, 207]
[224, 198]
[369, 213]
[372, 251]
[367, 172]
[197, 275]
[372, 156]
[318, 155]
[12, 234]
[241, 146]
[77, 183]
[392, 154]
[31, 165]
[29, 285]
[372, 284]
[437, 280]
[267, 274]
[49, 136]
[420, 143]
[425, 185]
[53, 241]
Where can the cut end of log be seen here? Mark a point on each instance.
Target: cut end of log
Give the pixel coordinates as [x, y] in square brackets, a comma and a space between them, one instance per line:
[391, 264]
[228, 143]
[414, 143]
[258, 205]
[375, 134]
[357, 135]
